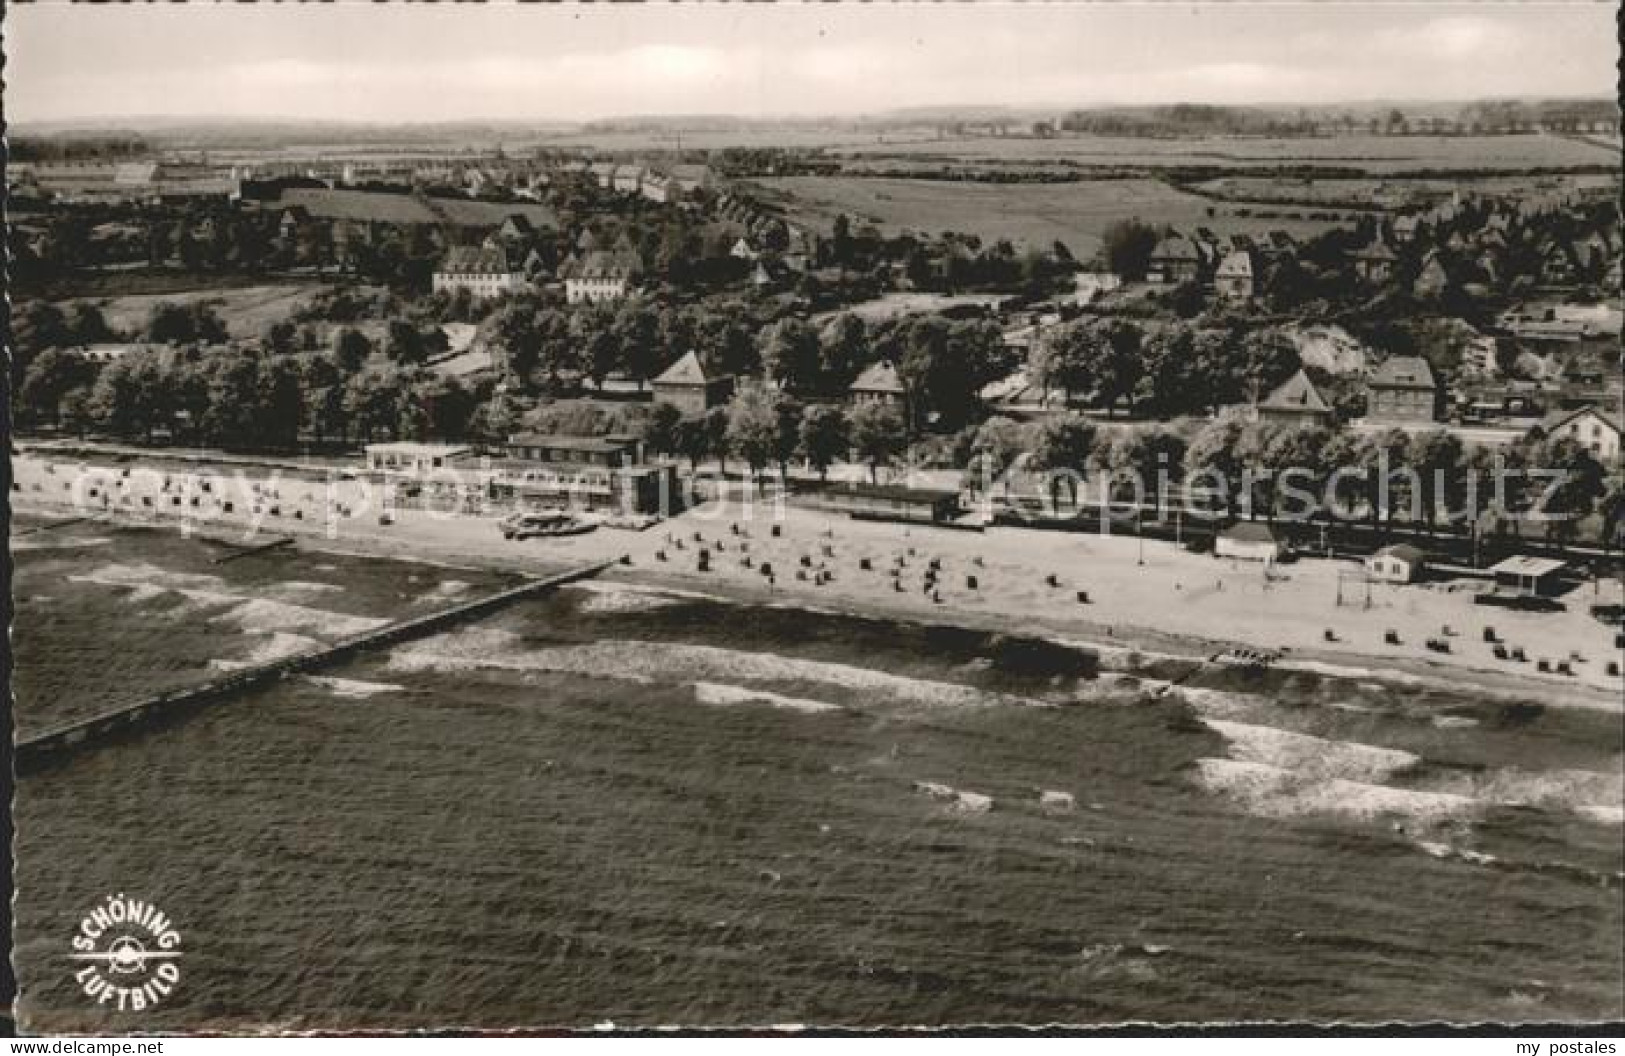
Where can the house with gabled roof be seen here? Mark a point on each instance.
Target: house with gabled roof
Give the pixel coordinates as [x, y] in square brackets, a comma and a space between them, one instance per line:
[1594, 429]
[1434, 278]
[878, 384]
[1174, 260]
[489, 270]
[1374, 262]
[687, 386]
[1234, 280]
[600, 275]
[1295, 402]
[1403, 389]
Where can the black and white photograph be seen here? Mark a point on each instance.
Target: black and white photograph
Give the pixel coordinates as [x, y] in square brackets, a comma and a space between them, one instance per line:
[796, 518]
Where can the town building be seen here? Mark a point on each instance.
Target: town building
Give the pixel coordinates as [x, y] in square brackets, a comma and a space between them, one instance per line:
[600, 275]
[1295, 402]
[1403, 389]
[1174, 260]
[1234, 279]
[414, 460]
[1434, 278]
[887, 502]
[602, 473]
[1248, 541]
[878, 384]
[1396, 564]
[686, 386]
[1375, 262]
[1593, 429]
[1535, 577]
[484, 271]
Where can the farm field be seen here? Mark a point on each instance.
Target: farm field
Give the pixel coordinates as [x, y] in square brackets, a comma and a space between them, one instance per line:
[1390, 191]
[1027, 214]
[1381, 154]
[757, 138]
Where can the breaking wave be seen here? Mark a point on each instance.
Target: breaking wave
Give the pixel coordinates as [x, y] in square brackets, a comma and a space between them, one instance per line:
[716, 693]
[671, 662]
[1311, 758]
[1273, 791]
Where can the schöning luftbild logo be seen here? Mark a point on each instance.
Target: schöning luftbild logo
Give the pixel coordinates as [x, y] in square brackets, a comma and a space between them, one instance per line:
[130, 949]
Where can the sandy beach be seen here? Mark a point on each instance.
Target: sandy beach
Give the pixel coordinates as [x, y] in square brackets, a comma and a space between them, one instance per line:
[1006, 578]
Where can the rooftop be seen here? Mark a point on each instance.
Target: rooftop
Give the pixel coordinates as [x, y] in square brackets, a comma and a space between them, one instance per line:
[1524, 565]
[878, 377]
[1250, 532]
[1404, 372]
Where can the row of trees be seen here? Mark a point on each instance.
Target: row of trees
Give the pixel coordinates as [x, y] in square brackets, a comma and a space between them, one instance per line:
[1266, 470]
[764, 428]
[249, 399]
[1164, 371]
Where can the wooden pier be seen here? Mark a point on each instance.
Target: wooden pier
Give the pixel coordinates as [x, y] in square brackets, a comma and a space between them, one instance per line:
[57, 745]
[53, 526]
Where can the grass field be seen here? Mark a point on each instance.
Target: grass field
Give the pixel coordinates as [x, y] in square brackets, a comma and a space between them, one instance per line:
[1030, 214]
[246, 311]
[1378, 154]
[1375, 189]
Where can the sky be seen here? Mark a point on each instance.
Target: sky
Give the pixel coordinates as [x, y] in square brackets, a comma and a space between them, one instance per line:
[406, 63]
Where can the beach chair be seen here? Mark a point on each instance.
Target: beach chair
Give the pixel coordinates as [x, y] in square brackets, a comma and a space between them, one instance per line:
[1519, 656]
[1330, 635]
[1500, 652]
[1489, 634]
[970, 582]
[1083, 597]
[1544, 666]
[1391, 637]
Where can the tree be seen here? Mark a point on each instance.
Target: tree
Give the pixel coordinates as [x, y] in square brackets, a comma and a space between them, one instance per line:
[691, 438]
[791, 354]
[170, 323]
[404, 345]
[87, 325]
[1151, 457]
[753, 429]
[1569, 496]
[1438, 456]
[1062, 449]
[877, 435]
[1127, 246]
[843, 347]
[1214, 456]
[716, 436]
[823, 437]
[1295, 458]
[787, 413]
[126, 397]
[280, 336]
[998, 442]
[660, 430]
[50, 377]
[637, 333]
[351, 349]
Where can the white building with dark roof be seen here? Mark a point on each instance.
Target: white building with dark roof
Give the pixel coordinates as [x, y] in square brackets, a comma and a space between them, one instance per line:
[484, 271]
[600, 275]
